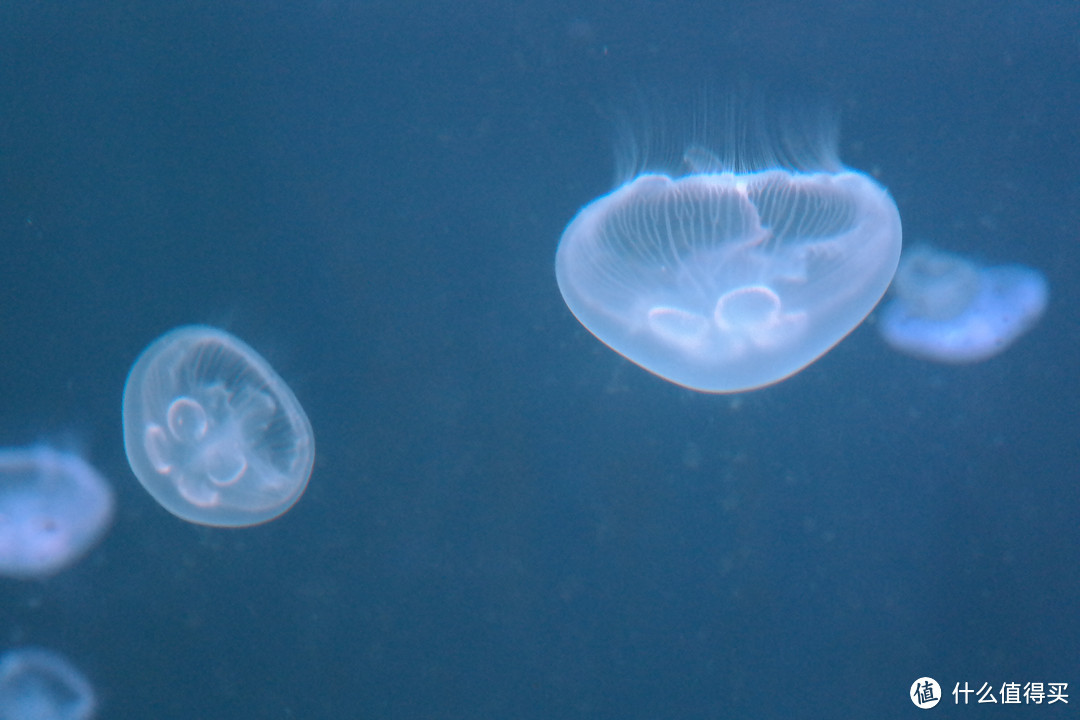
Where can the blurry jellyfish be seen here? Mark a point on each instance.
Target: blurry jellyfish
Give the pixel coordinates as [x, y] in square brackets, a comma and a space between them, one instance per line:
[724, 281]
[212, 432]
[37, 684]
[948, 309]
[54, 507]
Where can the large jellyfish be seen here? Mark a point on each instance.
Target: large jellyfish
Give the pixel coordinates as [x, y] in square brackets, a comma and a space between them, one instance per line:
[948, 309]
[212, 432]
[724, 281]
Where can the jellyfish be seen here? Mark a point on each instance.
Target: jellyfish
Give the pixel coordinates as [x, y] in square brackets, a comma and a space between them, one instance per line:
[212, 432]
[39, 684]
[948, 309]
[54, 507]
[730, 276]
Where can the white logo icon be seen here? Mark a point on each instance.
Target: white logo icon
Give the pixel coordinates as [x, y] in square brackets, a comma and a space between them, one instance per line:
[925, 693]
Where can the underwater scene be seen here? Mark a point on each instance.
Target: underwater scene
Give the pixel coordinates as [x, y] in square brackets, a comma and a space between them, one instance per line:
[489, 359]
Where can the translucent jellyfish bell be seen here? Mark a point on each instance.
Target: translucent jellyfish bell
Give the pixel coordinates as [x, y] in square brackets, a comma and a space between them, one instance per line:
[54, 507]
[722, 281]
[948, 309]
[38, 684]
[212, 432]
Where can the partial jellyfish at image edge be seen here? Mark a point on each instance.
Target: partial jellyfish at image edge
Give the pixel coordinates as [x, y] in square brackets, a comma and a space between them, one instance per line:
[54, 508]
[40, 684]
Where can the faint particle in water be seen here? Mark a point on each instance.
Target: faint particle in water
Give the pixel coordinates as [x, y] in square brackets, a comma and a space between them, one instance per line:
[691, 458]
[948, 309]
[39, 684]
[212, 432]
[724, 280]
[54, 507]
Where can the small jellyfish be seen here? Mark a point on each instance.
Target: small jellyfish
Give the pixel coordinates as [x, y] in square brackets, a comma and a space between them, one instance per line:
[212, 432]
[37, 684]
[948, 309]
[724, 281]
[54, 507]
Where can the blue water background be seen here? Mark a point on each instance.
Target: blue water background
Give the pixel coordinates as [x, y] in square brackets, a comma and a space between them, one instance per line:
[506, 519]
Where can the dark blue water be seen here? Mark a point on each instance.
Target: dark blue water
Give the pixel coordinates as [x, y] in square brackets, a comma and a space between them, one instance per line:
[506, 519]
